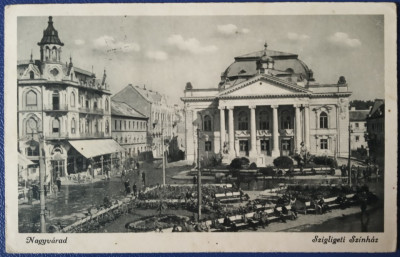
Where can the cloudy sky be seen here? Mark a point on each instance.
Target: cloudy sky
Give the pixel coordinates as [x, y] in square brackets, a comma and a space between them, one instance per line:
[166, 52]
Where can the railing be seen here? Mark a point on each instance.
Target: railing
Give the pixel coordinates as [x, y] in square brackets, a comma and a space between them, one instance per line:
[56, 108]
[92, 135]
[91, 110]
[59, 135]
[287, 132]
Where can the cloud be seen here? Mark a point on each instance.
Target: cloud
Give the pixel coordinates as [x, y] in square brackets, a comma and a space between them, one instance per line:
[79, 42]
[231, 29]
[157, 55]
[109, 44]
[297, 37]
[191, 45]
[343, 40]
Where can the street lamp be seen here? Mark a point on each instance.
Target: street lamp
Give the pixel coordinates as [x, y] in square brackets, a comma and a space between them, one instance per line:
[198, 176]
[349, 160]
[162, 147]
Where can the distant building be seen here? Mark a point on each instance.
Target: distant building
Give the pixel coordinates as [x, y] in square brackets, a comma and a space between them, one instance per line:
[129, 129]
[376, 131]
[265, 105]
[64, 110]
[154, 106]
[358, 125]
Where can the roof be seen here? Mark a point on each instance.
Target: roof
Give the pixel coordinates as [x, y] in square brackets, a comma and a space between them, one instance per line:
[149, 95]
[50, 35]
[358, 115]
[123, 109]
[271, 53]
[92, 148]
[378, 109]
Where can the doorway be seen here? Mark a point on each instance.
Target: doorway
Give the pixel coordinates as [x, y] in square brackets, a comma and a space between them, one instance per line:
[244, 147]
[265, 146]
[286, 147]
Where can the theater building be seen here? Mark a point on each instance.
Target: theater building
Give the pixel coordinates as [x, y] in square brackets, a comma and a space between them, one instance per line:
[266, 104]
[65, 111]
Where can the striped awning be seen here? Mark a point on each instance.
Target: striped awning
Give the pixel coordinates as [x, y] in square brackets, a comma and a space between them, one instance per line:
[93, 148]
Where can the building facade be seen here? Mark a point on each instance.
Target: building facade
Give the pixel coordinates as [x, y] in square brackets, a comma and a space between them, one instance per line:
[266, 104]
[63, 110]
[376, 131]
[358, 125]
[129, 129]
[154, 106]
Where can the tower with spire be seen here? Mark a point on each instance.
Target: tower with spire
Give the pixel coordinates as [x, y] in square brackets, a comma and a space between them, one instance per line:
[50, 45]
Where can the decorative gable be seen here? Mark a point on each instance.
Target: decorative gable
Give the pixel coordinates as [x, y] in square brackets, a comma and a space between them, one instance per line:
[32, 69]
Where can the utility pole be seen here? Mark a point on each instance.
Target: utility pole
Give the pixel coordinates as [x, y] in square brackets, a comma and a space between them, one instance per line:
[199, 198]
[349, 161]
[163, 154]
[41, 184]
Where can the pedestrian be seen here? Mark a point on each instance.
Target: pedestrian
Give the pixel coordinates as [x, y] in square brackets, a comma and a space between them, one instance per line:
[194, 180]
[134, 189]
[55, 190]
[144, 178]
[108, 174]
[30, 195]
[58, 183]
[137, 165]
[127, 187]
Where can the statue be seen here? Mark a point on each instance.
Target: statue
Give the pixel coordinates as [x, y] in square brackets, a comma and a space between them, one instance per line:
[225, 150]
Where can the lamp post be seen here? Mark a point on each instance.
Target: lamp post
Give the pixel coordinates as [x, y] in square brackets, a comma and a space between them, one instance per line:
[199, 198]
[349, 160]
[162, 147]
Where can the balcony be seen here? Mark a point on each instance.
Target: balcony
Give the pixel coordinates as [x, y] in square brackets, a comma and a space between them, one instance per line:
[56, 108]
[96, 111]
[92, 135]
[56, 136]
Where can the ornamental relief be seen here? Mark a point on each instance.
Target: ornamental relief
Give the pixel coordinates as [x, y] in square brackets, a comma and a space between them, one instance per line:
[263, 132]
[242, 133]
[286, 132]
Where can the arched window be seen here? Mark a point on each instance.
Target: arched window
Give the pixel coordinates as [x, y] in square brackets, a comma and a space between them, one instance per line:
[263, 120]
[54, 54]
[47, 53]
[31, 75]
[56, 126]
[107, 126]
[56, 100]
[31, 126]
[96, 126]
[323, 120]
[31, 98]
[243, 121]
[87, 126]
[106, 105]
[73, 99]
[286, 120]
[207, 123]
[73, 126]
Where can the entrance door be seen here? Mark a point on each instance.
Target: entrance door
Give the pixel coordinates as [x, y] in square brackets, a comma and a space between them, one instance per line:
[244, 147]
[264, 144]
[286, 147]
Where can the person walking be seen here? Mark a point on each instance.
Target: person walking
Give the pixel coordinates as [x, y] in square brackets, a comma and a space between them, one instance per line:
[134, 189]
[58, 180]
[144, 178]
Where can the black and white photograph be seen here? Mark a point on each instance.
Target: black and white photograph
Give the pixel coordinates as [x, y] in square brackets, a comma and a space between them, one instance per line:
[174, 125]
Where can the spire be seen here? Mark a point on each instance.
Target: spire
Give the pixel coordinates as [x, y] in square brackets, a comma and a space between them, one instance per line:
[31, 60]
[104, 77]
[70, 61]
[265, 48]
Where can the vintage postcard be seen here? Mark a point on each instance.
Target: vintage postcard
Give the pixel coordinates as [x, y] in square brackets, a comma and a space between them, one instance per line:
[247, 127]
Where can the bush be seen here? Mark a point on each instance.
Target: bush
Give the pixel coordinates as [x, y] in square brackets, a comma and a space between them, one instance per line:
[236, 164]
[325, 160]
[283, 162]
[253, 166]
[268, 171]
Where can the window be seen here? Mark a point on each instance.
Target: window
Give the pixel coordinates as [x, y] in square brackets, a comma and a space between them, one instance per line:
[208, 146]
[56, 126]
[107, 126]
[95, 105]
[243, 121]
[106, 105]
[120, 125]
[356, 124]
[129, 124]
[323, 120]
[87, 103]
[73, 126]
[31, 125]
[263, 120]
[125, 125]
[56, 100]
[31, 75]
[87, 126]
[34, 152]
[31, 98]
[286, 121]
[115, 125]
[207, 123]
[73, 99]
[96, 126]
[357, 138]
[324, 144]
[264, 145]
[365, 125]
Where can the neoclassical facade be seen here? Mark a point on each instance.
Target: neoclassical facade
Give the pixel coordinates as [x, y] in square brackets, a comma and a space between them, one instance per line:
[266, 104]
[65, 111]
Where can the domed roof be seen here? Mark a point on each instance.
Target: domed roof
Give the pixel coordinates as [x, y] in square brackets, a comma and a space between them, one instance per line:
[50, 35]
[284, 64]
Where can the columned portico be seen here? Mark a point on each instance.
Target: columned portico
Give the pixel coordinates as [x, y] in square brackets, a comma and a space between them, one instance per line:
[222, 126]
[307, 126]
[275, 131]
[231, 132]
[298, 127]
[253, 130]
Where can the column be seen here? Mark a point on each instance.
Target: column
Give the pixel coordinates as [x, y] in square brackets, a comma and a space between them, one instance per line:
[253, 130]
[307, 126]
[222, 126]
[275, 131]
[231, 132]
[298, 128]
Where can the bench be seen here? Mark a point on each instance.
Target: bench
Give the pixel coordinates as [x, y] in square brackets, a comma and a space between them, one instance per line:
[228, 196]
[332, 203]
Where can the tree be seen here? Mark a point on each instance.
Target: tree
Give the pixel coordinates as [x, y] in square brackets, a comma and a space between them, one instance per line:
[283, 162]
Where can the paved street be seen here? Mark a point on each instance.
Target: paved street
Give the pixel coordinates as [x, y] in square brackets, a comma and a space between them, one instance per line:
[76, 199]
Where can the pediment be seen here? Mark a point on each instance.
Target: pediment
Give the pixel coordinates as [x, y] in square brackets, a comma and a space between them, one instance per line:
[263, 85]
[31, 68]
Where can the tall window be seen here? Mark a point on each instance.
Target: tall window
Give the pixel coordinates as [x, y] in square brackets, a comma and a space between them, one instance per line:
[95, 105]
[87, 126]
[31, 98]
[73, 126]
[96, 126]
[286, 120]
[208, 146]
[243, 121]
[263, 120]
[31, 75]
[124, 125]
[323, 120]
[34, 152]
[56, 100]
[207, 123]
[31, 124]
[324, 144]
[107, 128]
[73, 99]
[106, 105]
[56, 126]
[115, 124]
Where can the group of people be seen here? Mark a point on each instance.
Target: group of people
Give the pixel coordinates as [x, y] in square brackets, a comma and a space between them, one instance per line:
[358, 172]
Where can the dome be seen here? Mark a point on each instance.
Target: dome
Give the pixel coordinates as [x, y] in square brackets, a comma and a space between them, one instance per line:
[50, 35]
[285, 64]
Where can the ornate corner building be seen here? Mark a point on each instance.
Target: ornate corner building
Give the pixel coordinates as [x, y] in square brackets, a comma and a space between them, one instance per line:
[266, 104]
[65, 111]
